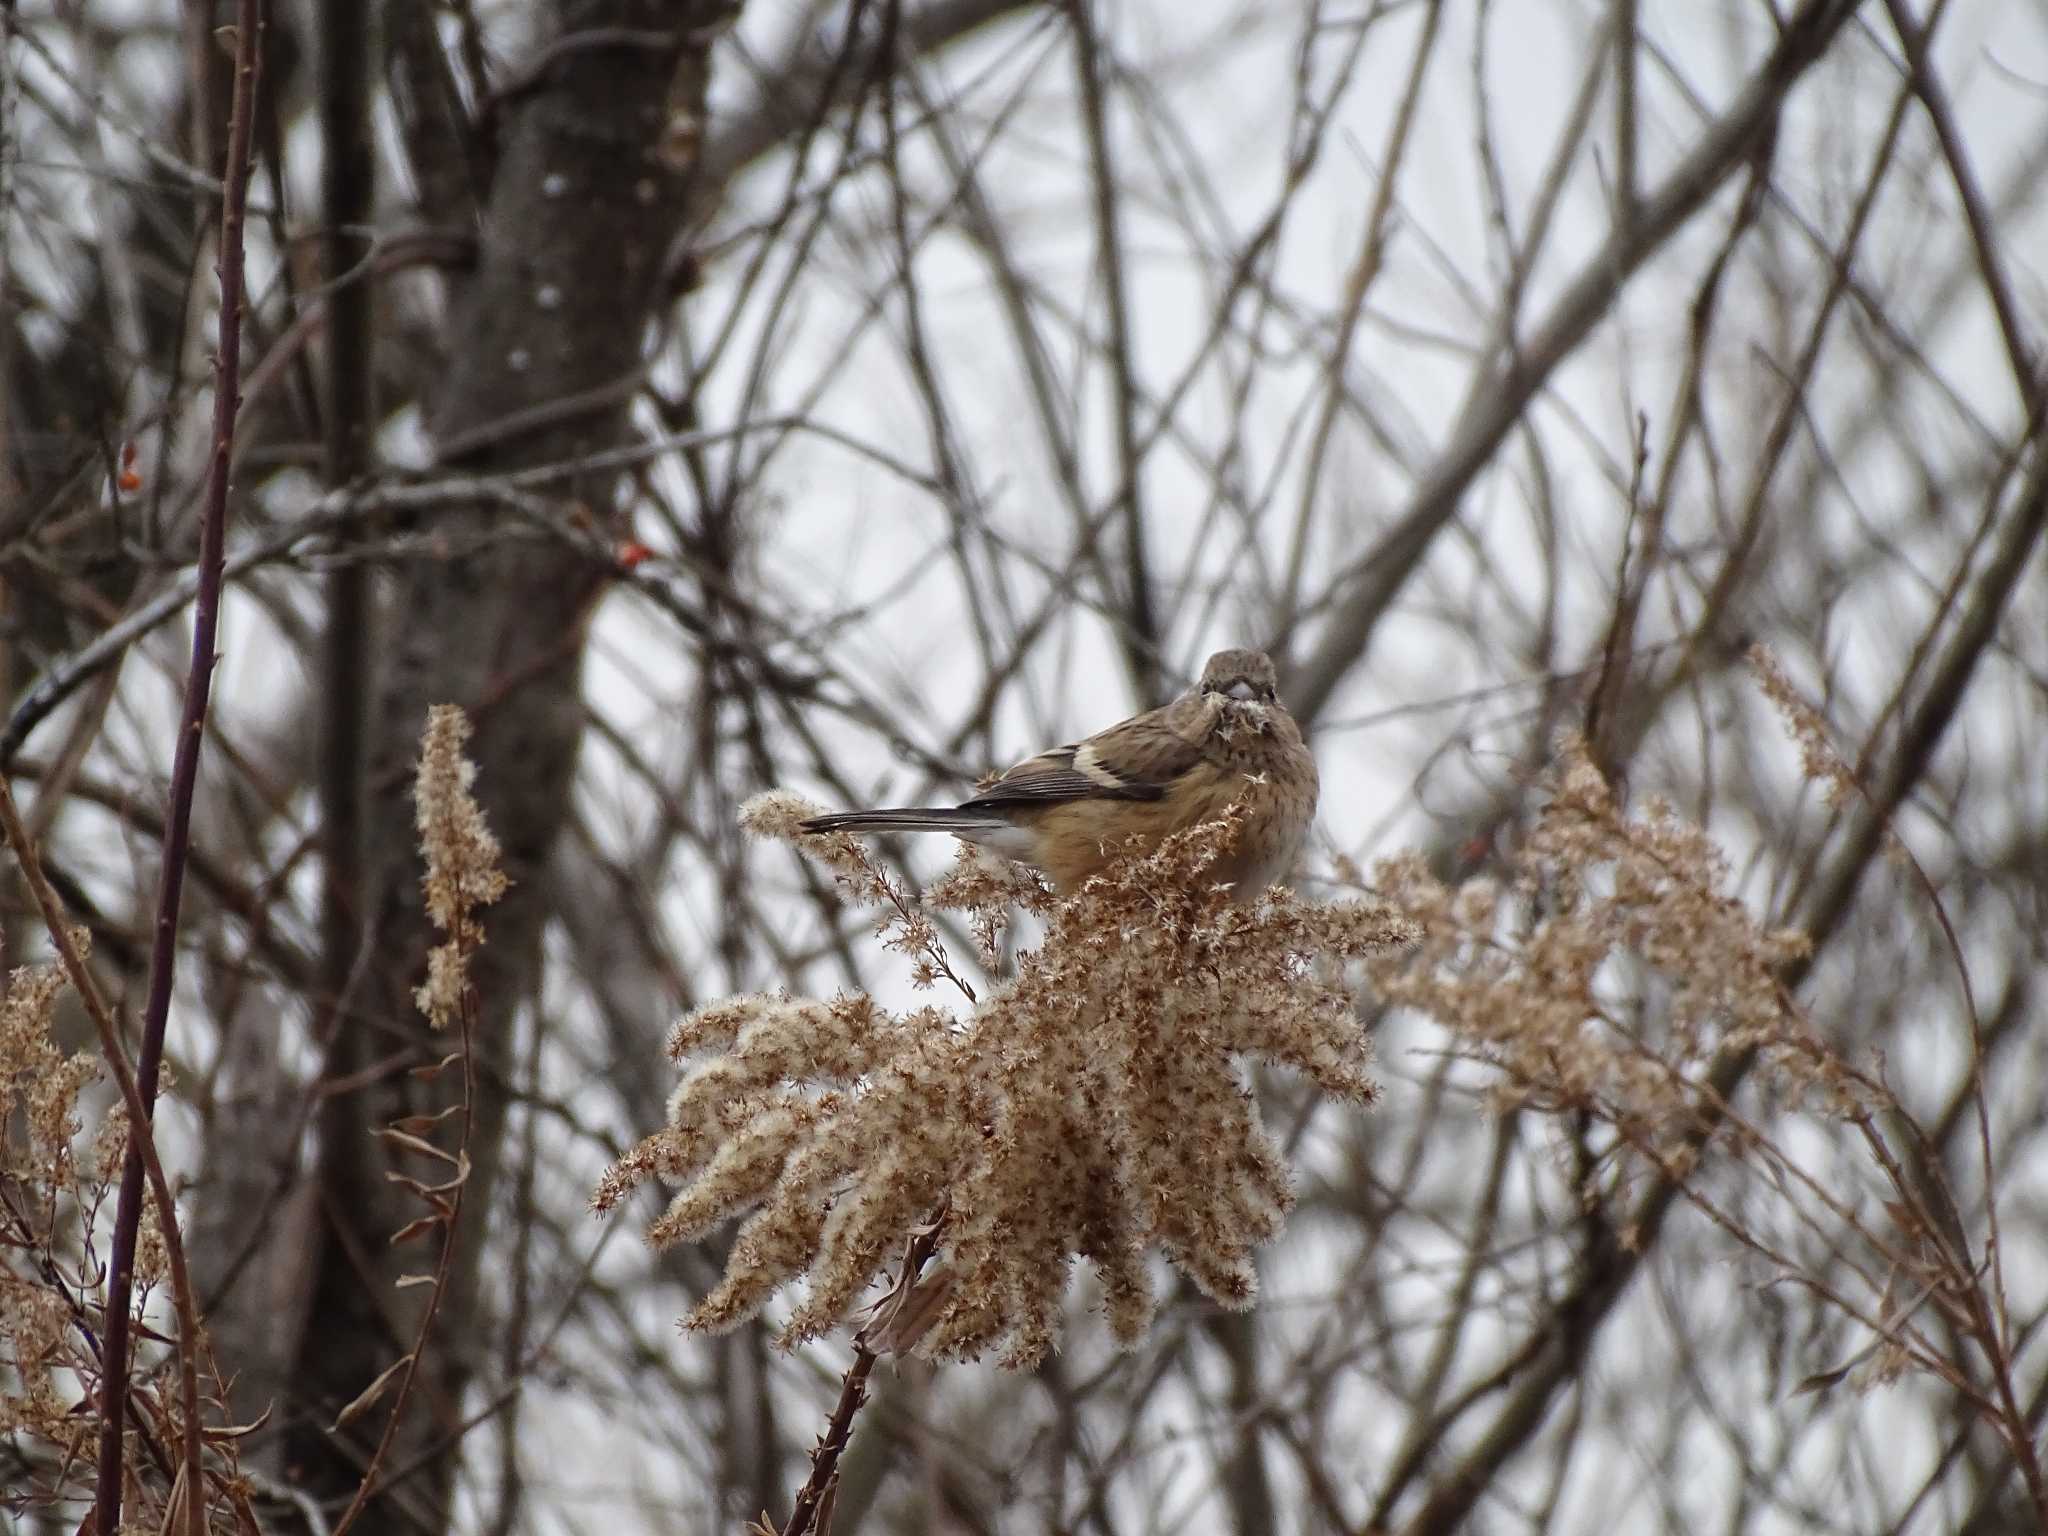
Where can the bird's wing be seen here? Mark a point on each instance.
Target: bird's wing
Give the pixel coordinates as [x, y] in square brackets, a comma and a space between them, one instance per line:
[1138, 759]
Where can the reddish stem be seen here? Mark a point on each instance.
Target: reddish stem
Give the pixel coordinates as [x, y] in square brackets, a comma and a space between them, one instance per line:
[184, 769]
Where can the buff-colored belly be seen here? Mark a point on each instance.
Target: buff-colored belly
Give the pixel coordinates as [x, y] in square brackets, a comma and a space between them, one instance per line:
[1074, 841]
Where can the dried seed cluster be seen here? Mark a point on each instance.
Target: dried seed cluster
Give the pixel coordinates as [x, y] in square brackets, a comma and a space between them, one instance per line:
[1546, 974]
[1091, 1105]
[39, 1088]
[461, 856]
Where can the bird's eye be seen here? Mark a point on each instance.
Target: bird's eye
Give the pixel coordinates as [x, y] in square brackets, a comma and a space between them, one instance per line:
[1266, 692]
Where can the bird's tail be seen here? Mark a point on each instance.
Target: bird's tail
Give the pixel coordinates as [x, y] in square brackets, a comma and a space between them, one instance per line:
[955, 819]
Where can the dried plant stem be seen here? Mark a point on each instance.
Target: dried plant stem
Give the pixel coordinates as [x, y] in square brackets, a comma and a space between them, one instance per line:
[451, 1220]
[1989, 1322]
[818, 1488]
[184, 777]
[142, 1146]
[824, 1478]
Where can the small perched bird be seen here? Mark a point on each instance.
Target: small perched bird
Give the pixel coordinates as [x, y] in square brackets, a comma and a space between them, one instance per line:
[1071, 810]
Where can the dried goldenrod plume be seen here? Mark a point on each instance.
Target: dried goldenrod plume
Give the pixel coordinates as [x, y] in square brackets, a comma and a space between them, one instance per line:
[40, 1085]
[1091, 1105]
[37, 1080]
[462, 860]
[1608, 972]
[1818, 759]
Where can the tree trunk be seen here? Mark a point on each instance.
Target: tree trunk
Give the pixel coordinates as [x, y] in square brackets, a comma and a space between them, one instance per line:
[591, 188]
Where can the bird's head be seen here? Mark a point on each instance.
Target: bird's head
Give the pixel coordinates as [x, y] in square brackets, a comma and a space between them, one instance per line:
[1243, 683]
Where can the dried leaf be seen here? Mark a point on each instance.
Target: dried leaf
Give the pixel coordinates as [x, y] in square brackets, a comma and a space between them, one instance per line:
[418, 1125]
[367, 1398]
[416, 1227]
[434, 1069]
[1821, 1381]
[407, 1142]
[236, 1431]
[176, 1516]
[429, 1193]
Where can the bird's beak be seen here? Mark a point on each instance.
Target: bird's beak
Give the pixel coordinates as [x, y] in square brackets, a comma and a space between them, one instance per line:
[1242, 691]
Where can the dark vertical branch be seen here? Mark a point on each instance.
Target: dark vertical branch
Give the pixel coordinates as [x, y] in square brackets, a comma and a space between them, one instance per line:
[1138, 631]
[347, 190]
[1247, 1490]
[1627, 118]
[10, 152]
[184, 771]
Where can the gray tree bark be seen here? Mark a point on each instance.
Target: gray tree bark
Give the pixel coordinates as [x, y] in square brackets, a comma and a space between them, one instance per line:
[591, 187]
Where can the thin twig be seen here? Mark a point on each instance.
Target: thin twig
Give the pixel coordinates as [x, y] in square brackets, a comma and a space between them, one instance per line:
[1362, 595]
[343, 507]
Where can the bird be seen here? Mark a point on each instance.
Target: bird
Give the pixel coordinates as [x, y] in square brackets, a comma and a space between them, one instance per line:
[1072, 810]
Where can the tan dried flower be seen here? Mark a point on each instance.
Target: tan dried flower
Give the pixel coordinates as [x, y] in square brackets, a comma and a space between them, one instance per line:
[1609, 972]
[39, 1088]
[1818, 758]
[33, 1322]
[904, 927]
[37, 1078]
[462, 860]
[1092, 1106]
[109, 1146]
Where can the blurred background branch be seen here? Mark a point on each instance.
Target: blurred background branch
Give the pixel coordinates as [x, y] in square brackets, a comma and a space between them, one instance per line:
[853, 395]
